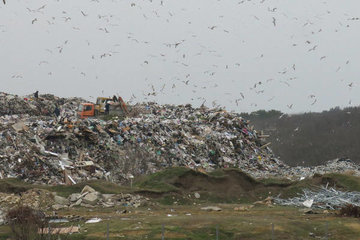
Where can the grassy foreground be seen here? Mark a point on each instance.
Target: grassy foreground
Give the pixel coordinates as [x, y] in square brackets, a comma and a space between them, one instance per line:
[145, 223]
[172, 203]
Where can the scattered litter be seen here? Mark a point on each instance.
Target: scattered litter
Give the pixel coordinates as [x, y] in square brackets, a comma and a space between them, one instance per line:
[94, 220]
[308, 203]
[55, 231]
[62, 220]
[267, 201]
[243, 208]
[308, 211]
[211, 208]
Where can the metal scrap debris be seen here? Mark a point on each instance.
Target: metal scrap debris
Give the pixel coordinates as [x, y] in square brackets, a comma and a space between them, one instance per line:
[323, 198]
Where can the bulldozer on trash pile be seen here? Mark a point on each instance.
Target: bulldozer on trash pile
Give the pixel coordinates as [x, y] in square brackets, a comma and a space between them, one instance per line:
[103, 106]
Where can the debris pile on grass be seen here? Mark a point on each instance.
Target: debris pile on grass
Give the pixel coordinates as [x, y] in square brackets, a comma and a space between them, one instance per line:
[323, 198]
[33, 198]
[41, 199]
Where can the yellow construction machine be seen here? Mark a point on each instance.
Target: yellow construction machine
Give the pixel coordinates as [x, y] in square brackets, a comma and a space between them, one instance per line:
[104, 105]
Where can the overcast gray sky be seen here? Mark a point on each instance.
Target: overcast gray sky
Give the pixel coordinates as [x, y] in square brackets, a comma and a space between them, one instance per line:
[303, 55]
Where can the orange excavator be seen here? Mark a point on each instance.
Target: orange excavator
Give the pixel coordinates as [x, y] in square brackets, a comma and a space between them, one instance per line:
[104, 105]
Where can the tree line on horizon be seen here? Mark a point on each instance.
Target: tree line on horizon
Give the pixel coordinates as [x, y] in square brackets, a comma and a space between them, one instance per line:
[309, 139]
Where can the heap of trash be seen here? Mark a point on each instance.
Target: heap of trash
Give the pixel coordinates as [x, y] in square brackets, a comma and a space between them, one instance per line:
[33, 198]
[42, 106]
[50, 149]
[338, 165]
[88, 197]
[323, 198]
[45, 200]
[37, 146]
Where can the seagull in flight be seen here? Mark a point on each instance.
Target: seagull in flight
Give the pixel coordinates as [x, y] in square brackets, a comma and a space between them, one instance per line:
[274, 21]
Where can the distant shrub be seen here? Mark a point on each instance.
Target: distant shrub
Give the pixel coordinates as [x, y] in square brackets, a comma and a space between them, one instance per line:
[25, 222]
[350, 211]
[29, 224]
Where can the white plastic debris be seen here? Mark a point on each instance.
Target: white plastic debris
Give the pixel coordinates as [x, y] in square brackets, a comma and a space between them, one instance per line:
[308, 203]
[61, 220]
[94, 220]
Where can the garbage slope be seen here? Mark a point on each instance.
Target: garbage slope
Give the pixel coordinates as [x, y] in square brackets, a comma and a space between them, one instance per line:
[38, 147]
[54, 150]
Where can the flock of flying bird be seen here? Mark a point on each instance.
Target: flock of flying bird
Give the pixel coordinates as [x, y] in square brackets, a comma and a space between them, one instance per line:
[176, 46]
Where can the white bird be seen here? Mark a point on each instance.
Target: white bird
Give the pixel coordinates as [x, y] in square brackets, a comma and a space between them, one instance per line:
[270, 99]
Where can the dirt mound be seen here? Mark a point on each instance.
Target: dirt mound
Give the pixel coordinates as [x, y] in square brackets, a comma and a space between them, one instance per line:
[223, 185]
[12, 186]
[232, 183]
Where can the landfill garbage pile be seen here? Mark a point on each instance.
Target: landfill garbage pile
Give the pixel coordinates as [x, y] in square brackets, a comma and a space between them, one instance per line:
[323, 198]
[339, 165]
[43, 148]
[197, 138]
[44, 105]
[52, 150]
[281, 170]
